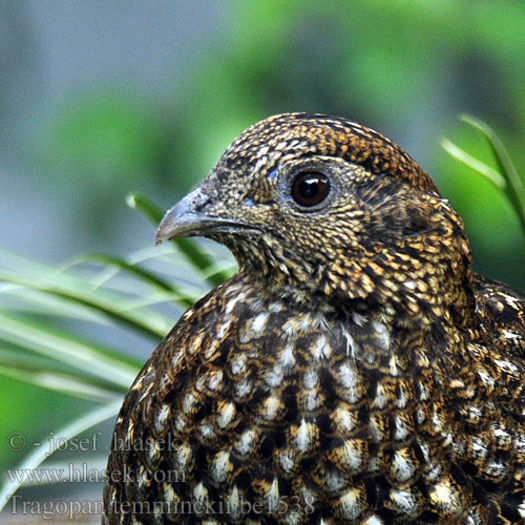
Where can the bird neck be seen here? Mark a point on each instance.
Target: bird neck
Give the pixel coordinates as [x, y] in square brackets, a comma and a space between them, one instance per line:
[372, 336]
[411, 292]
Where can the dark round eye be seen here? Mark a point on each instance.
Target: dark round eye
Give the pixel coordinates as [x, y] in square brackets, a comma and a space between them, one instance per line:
[310, 188]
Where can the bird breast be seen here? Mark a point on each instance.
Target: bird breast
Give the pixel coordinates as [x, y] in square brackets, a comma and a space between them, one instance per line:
[277, 401]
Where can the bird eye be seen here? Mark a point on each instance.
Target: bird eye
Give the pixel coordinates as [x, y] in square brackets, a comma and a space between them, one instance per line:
[310, 188]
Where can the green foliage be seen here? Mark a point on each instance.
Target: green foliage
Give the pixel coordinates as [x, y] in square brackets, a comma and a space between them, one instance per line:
[506, 178]
[488, 193]
[97, 290]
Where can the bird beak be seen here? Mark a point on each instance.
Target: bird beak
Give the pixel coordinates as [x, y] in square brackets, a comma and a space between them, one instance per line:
[188, 219]
[182, 221]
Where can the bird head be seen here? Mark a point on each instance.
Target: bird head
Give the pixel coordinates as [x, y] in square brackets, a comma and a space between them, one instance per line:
[321, 207]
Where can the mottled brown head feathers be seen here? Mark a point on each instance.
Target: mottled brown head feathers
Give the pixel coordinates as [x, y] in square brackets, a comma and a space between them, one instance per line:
[381, 233]
[306, 135]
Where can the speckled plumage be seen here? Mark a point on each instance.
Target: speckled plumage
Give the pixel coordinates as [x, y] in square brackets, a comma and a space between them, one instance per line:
[355, 370]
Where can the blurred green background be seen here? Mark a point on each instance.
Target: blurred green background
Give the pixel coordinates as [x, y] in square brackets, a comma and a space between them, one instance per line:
[98, 99]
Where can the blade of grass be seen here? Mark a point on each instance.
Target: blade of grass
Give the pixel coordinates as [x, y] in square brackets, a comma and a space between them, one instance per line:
[132, 269]
[38, 276]
[226, 268]
[66, 349]
[149, 323]
[66, 384]
[26, 300]
[18, 358]
[483, 169]
[150, 278]
[15, 355]
[153, 299]
[40, 454]
[149, 209]
[515, 188]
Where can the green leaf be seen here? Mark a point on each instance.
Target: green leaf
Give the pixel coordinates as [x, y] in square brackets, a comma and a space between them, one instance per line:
[144, 301]
[506, 179]
[23, 365]
[67, 349]
[79, 291]
[149, 209]
[34, 301]
[133, 269]
[73, 385]
[150, 278]
[515, 189]
[483, 169]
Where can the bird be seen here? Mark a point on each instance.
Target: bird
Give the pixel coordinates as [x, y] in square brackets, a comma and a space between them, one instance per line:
[355, 369]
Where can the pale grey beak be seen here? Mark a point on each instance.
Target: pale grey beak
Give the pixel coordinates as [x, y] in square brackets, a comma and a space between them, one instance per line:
[182, 221]
[188, 218]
